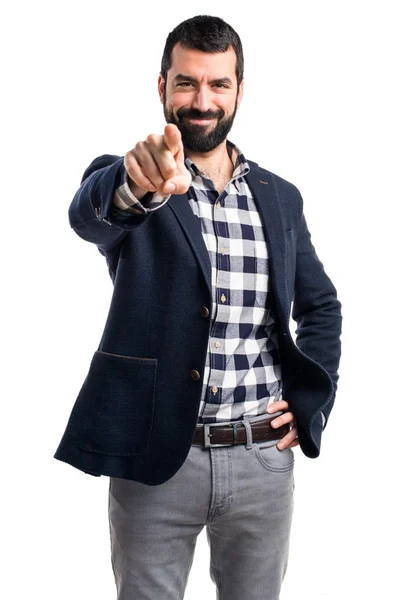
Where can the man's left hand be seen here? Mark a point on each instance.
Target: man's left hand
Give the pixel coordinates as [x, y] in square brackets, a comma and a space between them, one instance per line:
[290, 440]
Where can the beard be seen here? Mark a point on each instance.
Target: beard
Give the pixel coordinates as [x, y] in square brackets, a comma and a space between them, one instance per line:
[196, 137]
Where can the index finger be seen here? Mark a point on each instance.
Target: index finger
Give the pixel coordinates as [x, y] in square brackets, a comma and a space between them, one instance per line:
[172, 138]
[278, 405]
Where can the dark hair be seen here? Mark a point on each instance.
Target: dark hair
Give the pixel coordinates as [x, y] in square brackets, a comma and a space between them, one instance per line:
[207, 34]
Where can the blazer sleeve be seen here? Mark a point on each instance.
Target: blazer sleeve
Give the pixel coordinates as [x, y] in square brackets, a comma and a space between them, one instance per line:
[317, 310]
[91, 213]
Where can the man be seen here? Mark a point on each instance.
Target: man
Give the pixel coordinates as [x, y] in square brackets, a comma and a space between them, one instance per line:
[206, 251]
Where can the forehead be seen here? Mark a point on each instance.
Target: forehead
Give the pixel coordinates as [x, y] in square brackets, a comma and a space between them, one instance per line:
[202, 65]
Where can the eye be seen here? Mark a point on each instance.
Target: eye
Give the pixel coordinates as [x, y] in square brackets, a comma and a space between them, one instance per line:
[185, 83]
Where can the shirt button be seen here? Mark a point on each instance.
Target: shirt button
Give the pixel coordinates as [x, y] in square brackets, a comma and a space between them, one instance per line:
[223, 250]
[214, 389]
[194, 374]
[217, 344]
[223, 298]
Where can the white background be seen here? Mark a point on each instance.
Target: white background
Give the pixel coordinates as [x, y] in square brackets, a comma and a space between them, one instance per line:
[320, 109]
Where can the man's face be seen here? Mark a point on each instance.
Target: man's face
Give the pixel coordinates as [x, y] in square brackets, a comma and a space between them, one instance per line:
[201, 86]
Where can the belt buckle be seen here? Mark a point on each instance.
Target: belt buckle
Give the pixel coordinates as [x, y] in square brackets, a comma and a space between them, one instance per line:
[207, 434]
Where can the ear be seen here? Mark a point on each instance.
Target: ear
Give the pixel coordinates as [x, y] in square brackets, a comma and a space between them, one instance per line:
[161, 87]
[240, 93]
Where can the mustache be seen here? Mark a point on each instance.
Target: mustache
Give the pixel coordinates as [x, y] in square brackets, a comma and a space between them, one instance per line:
[199, 116]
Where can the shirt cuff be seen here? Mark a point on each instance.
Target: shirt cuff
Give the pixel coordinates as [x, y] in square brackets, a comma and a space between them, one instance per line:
[126, 202]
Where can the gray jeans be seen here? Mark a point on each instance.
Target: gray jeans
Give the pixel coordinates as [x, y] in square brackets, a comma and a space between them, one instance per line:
[243, 494]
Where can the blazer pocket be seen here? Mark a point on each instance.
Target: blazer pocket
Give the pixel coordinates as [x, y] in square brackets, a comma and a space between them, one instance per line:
[113, 413]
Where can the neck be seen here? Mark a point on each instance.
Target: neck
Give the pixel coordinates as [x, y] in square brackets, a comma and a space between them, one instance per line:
[216, 161]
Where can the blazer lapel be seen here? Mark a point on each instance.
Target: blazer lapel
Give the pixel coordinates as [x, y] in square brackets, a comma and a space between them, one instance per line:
[191, 226]
[266, 198]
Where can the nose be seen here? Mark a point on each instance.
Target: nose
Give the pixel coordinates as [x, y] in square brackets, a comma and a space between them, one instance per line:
[202, 101]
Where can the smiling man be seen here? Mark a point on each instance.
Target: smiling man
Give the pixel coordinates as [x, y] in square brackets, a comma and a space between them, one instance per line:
[197, 393]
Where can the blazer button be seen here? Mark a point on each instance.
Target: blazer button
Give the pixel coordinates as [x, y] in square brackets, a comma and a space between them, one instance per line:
[194, 374]
[204, 311]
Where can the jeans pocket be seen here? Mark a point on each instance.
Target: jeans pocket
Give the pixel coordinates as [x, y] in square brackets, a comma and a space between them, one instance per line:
[273, 459]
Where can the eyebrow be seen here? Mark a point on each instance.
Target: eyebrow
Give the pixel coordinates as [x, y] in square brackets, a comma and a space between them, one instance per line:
[182, 77]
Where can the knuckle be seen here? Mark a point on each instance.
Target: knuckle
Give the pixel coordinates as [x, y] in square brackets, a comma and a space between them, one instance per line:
[138, 148]
[129, 158]
[151, 138]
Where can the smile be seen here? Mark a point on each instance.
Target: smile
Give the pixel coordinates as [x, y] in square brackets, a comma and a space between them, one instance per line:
[200, 121]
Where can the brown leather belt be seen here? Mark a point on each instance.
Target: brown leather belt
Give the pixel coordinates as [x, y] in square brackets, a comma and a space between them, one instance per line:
[228, 434]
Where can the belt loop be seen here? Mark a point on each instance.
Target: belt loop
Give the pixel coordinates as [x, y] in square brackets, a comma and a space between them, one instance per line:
[234, 427]
[249, 434]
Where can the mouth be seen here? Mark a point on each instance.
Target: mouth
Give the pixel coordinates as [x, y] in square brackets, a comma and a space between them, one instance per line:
[200, 121]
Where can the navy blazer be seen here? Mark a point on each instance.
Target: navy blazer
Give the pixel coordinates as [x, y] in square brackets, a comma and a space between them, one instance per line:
[137, 409]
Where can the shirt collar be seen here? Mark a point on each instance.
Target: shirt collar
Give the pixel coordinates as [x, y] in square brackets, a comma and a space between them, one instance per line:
[240, 165]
